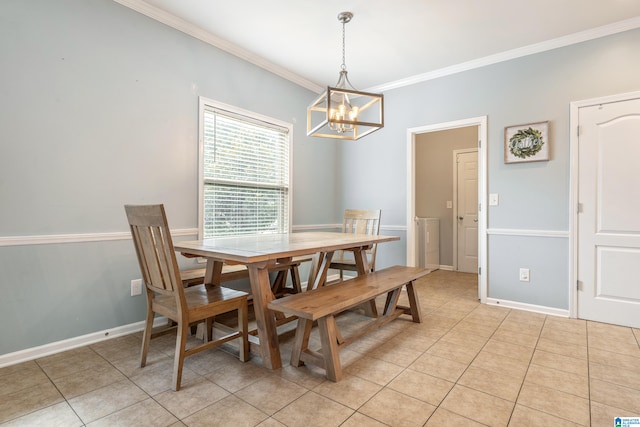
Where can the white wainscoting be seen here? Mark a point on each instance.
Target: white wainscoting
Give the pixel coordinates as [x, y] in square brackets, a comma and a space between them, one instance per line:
[527, 232]
[49, 239]
[80, 238]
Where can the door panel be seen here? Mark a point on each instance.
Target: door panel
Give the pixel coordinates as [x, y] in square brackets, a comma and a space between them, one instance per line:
[617, 171]
[609, 221]
[614, 267]
[467, 223]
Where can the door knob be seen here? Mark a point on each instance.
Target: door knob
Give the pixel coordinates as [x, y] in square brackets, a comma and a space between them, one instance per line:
[460, 218]
[475, 220]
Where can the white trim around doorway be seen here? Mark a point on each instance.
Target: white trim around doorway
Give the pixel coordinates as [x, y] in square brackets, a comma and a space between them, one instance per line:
[481, 123]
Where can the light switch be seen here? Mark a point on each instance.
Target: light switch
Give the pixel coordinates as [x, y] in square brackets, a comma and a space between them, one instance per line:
[493, 199]
[449, 204]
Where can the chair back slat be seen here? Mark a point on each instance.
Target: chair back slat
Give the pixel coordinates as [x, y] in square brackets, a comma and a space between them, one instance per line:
[362, 221]
[154, 249]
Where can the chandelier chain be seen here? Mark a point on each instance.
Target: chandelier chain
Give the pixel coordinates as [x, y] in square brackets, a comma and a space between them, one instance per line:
[344, 65]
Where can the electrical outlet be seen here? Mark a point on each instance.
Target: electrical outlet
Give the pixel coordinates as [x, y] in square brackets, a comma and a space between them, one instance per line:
[493, 199]
[524, 274]
[136, 287]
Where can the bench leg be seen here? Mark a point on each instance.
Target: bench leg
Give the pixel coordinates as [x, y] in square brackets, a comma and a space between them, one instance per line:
[330, 351]
[301, 343]
[414, 303]
[392, 302]
[370, 308]
[363, 267]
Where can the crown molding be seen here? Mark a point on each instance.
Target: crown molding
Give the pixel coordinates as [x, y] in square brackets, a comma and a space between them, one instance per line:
[205, 36]
[197, 32]
[583, 36]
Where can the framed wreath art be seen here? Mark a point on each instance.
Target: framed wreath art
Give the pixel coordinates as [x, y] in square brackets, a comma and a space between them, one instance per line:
[526, 143]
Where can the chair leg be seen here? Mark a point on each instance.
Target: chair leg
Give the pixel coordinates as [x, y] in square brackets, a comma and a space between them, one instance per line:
[208, 336]
[146, 338]
[295, 279]
[243, 327]
[279, 283]
[278, 287]
[178, 359]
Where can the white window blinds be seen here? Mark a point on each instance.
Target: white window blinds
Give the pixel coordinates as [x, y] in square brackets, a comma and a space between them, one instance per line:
[245, 175]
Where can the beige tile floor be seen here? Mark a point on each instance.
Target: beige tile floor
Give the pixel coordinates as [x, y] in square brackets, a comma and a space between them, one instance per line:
[466, 364]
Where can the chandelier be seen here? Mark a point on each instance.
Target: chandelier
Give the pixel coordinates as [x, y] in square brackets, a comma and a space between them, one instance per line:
[342, 112]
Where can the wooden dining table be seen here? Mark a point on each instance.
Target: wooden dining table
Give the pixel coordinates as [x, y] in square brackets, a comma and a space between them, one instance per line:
[262, 251]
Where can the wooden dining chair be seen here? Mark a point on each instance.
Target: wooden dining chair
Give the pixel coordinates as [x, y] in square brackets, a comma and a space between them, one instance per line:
[359, 222]
[166, 295]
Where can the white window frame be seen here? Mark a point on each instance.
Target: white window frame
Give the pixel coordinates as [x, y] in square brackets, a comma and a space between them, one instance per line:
[206, 103]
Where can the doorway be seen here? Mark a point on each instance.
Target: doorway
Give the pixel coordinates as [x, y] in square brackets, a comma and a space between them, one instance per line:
[480, 125]
[605, 228]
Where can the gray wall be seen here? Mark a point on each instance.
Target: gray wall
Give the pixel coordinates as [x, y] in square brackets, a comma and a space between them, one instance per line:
[533, 196]
[434, 179]
[98, 108]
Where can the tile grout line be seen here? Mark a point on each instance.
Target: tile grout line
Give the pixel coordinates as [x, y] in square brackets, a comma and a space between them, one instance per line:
[404, 369]
[549, 325]
[468, 365]
[472, 360]
[588, 379]
[524, 379]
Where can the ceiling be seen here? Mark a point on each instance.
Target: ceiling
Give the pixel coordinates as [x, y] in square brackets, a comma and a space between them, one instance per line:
[388, 44]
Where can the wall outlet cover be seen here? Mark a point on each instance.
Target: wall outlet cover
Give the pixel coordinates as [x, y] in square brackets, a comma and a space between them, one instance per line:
[136, 287]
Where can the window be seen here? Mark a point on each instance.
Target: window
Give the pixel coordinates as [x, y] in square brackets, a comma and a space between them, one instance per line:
[244, 172]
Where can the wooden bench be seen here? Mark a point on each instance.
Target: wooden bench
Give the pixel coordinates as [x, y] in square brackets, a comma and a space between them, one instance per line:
[323, 304]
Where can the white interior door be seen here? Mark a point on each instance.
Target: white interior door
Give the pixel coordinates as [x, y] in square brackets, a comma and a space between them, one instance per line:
[608, 224]
[467, 211]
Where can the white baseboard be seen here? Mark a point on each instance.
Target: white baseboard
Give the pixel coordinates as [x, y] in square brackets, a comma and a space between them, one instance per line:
[528, 307]
[92, 338]
[446, 267]
[75, 342]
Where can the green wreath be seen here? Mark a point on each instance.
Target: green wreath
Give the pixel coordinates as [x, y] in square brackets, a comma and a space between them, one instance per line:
[526, 143]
